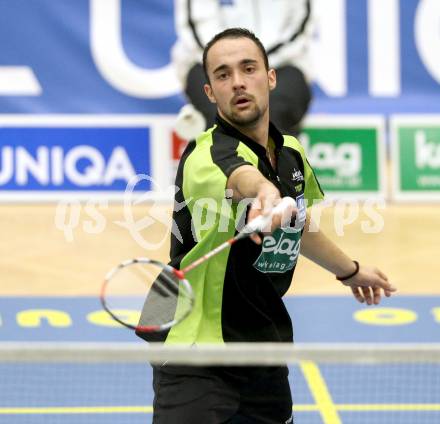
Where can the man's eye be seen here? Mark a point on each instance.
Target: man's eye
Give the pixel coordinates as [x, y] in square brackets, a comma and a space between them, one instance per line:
[222, 76]
[250, 69]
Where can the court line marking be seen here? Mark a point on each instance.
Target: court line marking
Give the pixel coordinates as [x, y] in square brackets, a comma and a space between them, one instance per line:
[386, 407]
[320, 392]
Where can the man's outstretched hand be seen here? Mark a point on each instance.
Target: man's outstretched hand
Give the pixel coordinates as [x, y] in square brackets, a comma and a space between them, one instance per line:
[368, 284]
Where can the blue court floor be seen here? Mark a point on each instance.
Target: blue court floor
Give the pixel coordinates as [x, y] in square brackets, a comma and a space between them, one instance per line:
[121, 393]
[323, 394]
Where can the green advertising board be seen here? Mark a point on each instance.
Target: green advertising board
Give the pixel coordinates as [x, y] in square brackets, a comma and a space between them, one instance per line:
[416, 157]
[347, 154]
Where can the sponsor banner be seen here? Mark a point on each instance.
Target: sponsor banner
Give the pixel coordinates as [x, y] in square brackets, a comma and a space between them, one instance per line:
[347, 154]
[415, 153]
[50, 157]
[376, 56]
[114, 56]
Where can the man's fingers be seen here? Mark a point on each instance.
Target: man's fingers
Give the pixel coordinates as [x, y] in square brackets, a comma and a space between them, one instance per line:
[255, 238]
[376, 280]
[254, 212]
[269, 203]
[367, 295]
[368, 284]
[381, 274]
[270, 206]
[385, 285]
[377, 295]
[284, 218]
[357, 294]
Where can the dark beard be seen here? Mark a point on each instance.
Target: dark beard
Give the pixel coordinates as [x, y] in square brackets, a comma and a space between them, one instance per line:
[245, 121]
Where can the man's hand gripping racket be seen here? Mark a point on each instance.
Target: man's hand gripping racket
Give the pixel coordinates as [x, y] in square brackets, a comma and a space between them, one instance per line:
[161, 292]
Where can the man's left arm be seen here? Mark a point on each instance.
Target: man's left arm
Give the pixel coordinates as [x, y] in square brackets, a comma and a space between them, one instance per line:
[366, 284]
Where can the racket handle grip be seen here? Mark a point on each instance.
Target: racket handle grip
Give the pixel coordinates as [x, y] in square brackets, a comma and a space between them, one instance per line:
[261, 222]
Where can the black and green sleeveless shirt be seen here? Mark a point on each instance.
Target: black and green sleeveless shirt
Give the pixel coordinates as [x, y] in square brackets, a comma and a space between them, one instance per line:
[239, 291]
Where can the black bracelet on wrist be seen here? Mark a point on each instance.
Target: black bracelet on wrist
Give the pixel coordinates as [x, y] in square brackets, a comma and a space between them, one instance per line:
[346, 277]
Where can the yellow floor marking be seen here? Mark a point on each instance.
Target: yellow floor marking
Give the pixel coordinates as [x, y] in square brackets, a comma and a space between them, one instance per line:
[320, 393]
[149, 409]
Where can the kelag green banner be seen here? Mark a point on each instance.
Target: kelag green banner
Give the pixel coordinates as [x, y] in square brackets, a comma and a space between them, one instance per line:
[347, 154]
[416, 157]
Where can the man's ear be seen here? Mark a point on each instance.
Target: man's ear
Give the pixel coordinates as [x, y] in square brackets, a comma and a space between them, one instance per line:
[208, 92]
[272, 76]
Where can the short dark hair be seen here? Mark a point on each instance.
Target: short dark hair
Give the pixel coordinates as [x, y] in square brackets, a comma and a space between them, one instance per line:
[234, 33]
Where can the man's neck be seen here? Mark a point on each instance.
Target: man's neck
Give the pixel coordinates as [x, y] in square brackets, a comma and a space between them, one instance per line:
[259, 132]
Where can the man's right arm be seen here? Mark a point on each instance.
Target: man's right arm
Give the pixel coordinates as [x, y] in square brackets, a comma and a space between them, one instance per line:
[247, 182]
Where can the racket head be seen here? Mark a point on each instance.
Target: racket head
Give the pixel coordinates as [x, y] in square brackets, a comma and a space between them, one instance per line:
[146, 295]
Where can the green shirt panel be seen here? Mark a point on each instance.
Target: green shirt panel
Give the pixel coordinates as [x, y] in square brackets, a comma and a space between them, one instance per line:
[213, 219]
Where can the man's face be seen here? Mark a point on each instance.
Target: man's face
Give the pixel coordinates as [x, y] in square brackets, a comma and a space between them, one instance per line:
[239, 81]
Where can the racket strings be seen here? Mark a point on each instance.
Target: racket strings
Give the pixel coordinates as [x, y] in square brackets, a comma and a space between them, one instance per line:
[145, 295]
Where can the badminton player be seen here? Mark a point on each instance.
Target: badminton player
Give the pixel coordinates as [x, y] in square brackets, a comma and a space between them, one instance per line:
[239, 292]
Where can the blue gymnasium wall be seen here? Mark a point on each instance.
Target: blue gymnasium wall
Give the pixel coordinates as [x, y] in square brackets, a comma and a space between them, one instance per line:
[91, 59]
[54, 40]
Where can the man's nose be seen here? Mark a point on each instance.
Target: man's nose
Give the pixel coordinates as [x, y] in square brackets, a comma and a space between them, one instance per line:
[237, 81]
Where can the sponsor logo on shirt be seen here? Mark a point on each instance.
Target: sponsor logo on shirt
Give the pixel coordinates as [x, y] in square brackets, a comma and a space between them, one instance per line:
[280, 250]
[300, 218]
[297, 176]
